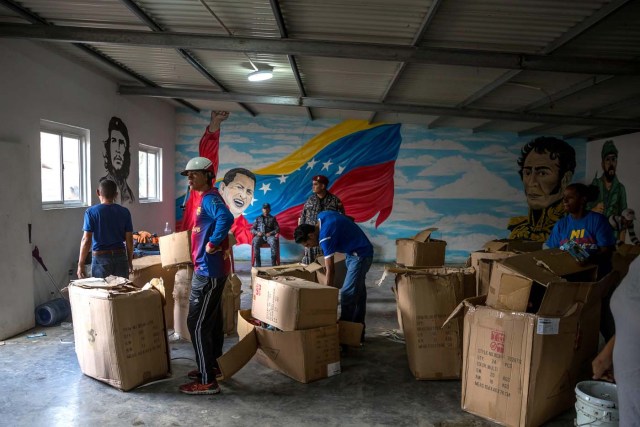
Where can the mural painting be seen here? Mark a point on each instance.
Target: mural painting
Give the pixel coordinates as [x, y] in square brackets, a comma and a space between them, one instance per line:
[117, 158]
[395, 180]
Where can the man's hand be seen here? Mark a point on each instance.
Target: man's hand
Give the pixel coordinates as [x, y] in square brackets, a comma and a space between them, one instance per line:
[80, 272]
[603, 362]
[598, 208]
[219, 116]
[212, 249]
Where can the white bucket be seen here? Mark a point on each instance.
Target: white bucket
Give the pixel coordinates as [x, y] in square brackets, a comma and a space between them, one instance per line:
[596, 404]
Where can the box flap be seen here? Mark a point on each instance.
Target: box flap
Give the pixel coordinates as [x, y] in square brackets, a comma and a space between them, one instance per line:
[549, 265]
[424, 235]
[514, 293]
[561, 297]
[495, 246]
[241, 353]
[468, 303]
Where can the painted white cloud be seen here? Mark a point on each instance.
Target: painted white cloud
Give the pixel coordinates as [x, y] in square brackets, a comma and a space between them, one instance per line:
[276, 149]
[281, 137]
[406, 210]
[449, 166]
[435, 144]
[402, 182]
[468, 242]
[424, 160]
[231, 156]
[470, 221]
[478, 184]
[231, 138]
[498, 152]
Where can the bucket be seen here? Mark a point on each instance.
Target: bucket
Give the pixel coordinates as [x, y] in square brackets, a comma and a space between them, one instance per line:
[596, 404]
[52, 312]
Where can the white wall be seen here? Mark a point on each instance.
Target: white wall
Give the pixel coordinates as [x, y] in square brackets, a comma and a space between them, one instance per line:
[35, 84]
[628, 160]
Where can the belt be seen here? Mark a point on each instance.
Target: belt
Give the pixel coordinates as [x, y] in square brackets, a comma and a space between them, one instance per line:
[110, 251]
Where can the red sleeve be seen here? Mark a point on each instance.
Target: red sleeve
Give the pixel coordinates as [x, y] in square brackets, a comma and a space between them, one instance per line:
[209, 147]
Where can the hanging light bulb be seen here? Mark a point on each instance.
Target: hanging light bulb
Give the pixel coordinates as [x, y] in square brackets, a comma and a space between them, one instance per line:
[260, 75]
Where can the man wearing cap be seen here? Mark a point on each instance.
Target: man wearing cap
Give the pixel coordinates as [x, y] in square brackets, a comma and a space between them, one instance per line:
[612, 199]
[264, 230]
[321, 200]
[211, 266]
[623, 222]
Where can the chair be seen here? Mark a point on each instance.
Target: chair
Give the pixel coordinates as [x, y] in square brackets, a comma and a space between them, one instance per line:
[266, 245]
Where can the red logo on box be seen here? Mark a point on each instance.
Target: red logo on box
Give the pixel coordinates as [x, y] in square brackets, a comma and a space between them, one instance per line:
[497, 341]
[257, 289]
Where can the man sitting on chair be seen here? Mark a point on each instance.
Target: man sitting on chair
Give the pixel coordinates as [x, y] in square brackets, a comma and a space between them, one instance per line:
[264, 230]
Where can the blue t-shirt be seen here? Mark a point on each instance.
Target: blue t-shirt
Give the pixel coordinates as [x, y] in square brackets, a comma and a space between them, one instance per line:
[109, 224]
[212, 223]
[339, 233]
[591, 232]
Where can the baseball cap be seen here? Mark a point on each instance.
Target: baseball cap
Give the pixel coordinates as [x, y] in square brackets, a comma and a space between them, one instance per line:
[266, 206]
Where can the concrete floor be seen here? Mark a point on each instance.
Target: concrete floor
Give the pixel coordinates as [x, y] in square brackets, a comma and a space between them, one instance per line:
[42, 385]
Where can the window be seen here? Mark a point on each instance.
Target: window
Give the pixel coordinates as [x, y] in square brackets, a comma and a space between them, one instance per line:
[150, 171]
[64, 166]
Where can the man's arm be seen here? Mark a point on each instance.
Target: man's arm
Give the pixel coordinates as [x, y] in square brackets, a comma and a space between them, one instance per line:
[328, 263]
[217, 117]
[216, 208]
[210, 142]
[276, 227]
[254, 227]
[128, 238]
[85, 247]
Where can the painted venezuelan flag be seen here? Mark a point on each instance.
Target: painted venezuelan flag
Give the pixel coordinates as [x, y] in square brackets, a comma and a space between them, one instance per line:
[357, 157]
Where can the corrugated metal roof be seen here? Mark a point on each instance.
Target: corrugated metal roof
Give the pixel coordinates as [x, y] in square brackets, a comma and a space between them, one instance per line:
[593, 28]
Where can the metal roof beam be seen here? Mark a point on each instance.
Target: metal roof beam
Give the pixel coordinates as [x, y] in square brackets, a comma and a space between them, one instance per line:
[340, 104]
[282, 27]
[190, 58]
[335, 49]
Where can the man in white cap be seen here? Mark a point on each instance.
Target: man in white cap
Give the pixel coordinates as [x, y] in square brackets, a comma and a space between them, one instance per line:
[623, 222]
[211, 266]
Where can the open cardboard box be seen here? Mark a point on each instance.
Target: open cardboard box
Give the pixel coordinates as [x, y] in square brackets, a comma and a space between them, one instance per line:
[420, 250]
[306, 355]
[314, 272]
[120, 334]
[518, 283]
[150, 267]
[175, 248]
[425, 297]
[520, 369]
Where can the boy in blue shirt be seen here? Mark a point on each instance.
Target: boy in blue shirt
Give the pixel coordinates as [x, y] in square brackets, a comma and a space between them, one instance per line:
[336, 232]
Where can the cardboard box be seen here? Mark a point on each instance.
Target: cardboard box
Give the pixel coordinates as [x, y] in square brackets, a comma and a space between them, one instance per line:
[425, 299]
[420, 250]
[520, 369]
[175, 249]
[350, 333]
[293, 270]
[150, 267]
[290, 303]
[120, 336]
[496, 250]
[306, 355]
[231, 303]
[340, 270]
[518, 283]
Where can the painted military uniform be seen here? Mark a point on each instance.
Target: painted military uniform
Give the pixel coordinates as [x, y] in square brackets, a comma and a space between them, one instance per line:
[528, 228]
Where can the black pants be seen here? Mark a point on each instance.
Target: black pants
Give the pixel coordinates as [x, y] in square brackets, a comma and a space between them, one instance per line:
[205, 323]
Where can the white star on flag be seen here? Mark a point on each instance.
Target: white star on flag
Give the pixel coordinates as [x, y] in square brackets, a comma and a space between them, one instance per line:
[265, 187]
[253, 199]
[340, 170]
[282, 179]
[311, 164]
[326, 165]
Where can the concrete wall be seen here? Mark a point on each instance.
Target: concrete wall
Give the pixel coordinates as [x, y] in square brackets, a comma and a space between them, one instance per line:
[36, 84]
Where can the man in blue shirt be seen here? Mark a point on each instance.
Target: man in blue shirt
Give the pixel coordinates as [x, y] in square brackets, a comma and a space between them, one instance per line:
[108, 231]
[335, 232]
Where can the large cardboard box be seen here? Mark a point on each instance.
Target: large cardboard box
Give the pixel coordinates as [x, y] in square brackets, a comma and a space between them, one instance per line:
[120, 335]
[231, 303]
[306, 355]
[292, 270]
[320, 269]
[150, 267]
[175, 249]
[496, 250]
[520, 369]
[420, 250]
[425, 299]
[290, 303]
[518, 283]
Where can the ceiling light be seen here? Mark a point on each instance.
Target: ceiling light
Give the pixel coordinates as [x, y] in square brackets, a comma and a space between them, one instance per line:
[260, 75]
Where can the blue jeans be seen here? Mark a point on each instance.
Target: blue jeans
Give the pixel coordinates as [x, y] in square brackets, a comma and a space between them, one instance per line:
[353, 295]
[205, 323]
[116, 264]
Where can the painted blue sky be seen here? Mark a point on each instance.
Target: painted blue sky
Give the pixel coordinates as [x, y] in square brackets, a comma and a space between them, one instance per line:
[465, 184]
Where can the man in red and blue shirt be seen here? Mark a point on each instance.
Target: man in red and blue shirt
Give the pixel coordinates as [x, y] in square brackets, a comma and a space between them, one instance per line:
[211, 266]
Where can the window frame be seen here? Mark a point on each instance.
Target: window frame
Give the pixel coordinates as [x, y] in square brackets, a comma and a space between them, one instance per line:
[149, 149]
[84, 165]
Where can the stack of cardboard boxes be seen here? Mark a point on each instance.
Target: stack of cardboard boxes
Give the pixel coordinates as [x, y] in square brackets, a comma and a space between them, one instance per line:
[291, 327]
[531, 338]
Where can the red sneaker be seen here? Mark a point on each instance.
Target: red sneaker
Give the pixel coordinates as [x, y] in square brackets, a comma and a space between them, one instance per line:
[198, 388]
[196, 375]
